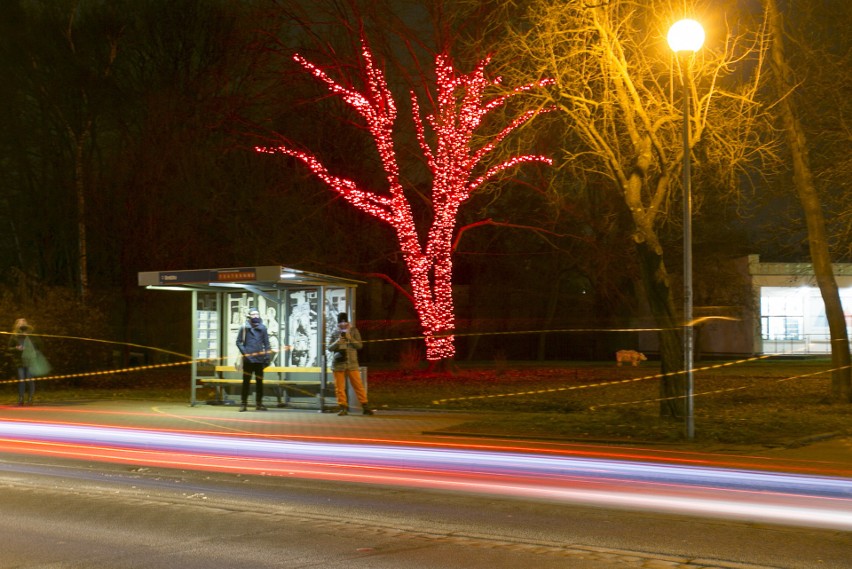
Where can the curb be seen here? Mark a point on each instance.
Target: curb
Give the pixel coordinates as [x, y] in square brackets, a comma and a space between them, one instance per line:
[815, 439]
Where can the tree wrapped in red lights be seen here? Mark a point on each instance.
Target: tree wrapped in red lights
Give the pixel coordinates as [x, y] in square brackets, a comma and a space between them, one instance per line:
[455, 163]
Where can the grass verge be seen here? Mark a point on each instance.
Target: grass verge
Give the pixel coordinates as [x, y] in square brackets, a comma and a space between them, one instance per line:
[771, 403]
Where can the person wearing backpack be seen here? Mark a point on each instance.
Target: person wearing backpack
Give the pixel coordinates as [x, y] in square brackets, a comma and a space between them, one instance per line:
[253, 344]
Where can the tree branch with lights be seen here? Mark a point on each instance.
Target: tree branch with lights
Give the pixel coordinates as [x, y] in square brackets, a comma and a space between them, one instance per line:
[454, 160]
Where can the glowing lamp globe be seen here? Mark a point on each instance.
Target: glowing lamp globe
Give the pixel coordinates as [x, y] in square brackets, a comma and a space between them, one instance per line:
[686, 35]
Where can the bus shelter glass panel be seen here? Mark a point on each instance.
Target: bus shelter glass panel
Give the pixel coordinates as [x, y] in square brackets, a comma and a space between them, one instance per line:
[302, 328]
[295, 318]
[336, 301]
[206, 332]
[237, 309]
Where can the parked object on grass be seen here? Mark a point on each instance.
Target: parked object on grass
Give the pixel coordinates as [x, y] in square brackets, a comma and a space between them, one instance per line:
[629, 356]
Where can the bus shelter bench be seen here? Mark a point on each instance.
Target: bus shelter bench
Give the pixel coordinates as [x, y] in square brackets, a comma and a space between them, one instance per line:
[219, 382]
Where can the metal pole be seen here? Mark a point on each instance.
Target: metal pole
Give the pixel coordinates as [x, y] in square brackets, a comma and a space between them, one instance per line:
[321, 340]
[688, 336]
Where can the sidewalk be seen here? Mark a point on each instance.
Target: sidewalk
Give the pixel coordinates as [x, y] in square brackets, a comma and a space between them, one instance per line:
[226, 419]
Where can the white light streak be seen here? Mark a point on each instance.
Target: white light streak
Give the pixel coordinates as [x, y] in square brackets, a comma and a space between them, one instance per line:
[782, 498]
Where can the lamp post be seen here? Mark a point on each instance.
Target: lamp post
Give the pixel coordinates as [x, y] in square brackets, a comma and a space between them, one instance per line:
[687, 36]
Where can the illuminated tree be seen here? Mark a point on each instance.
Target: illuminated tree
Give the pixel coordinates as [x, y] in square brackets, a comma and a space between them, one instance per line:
[457, 164]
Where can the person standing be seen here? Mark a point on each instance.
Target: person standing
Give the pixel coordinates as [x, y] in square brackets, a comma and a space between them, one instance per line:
[26, 351]
[344, 345]
[253, 344]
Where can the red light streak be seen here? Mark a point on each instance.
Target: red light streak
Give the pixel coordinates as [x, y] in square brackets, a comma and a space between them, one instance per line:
[219, 426]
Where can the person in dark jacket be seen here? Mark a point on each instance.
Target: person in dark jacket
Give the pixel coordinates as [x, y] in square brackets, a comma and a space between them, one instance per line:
[253, 344]
[344, 345]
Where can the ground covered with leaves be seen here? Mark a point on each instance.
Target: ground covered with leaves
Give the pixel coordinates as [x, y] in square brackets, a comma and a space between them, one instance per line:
[764, 403]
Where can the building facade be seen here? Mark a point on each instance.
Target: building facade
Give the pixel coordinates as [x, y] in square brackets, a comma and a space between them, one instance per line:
[791, 310]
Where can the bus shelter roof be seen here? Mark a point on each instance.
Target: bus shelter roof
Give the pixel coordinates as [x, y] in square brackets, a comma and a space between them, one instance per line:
[247, 278]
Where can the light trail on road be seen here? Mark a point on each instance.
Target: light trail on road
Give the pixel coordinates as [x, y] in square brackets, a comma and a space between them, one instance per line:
[278, 428]
[774, 497]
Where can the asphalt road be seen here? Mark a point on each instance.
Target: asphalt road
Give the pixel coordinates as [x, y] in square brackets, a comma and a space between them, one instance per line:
[75, 514]
[140, 486]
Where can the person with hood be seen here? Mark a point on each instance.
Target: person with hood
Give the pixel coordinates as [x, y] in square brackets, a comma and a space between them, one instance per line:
[253, 344]
[344, 345]
[26, 351]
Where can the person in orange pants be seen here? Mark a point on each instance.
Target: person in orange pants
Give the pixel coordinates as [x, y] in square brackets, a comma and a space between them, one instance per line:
[344, 345]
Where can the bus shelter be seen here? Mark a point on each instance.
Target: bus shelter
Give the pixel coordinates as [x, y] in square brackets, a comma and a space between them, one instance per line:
[300, 310]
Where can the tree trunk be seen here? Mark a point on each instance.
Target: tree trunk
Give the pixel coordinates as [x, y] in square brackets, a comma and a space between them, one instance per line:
[658, 292]
[80, 189]
[552, 305]
[803, 180]
[434, 303]
[82, 249]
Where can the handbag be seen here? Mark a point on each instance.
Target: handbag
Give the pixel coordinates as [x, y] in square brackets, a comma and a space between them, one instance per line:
[39, 366]
[238, 364]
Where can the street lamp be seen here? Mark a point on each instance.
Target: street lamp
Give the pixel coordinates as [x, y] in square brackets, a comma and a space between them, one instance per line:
[687, 36]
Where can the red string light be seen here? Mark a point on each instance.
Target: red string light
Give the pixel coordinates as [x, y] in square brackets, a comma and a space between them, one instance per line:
[462, 107]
